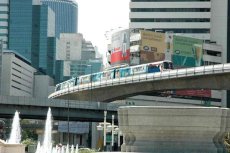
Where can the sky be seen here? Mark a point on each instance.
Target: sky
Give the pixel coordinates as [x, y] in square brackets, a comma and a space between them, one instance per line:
[95, 17]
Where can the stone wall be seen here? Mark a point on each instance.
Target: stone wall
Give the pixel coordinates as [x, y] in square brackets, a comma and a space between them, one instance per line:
[173, 129]
[11, 148]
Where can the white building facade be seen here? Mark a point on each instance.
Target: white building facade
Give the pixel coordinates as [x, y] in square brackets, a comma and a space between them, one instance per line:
[202, 19]
[17, 75]
[191, 18]
[70, 46]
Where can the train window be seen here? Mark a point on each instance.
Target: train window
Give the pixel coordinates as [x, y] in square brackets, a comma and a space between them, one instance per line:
[58, 87]
[168, 65]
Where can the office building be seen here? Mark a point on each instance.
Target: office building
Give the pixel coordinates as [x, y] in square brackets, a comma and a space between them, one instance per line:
[31, 33]
[82, 67]
[70, 46]
[4, 19]
[88, 50]
[43, 40]
[17, 75]
[66, 15]
[20, 27]
[190, 18]
[203, 19]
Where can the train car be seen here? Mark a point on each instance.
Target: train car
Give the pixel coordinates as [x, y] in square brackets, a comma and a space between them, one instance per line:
[58, 87]
[84, 79]
[96, 76]
[159, 66]
[107, 75]
[139, 69]
[124, 72]
[72, 82]
[117, 72]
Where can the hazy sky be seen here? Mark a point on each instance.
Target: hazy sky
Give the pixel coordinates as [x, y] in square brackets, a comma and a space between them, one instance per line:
[98, 16]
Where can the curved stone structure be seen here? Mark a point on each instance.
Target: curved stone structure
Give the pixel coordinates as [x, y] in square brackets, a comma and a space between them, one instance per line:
[173, 129]
[11, 148]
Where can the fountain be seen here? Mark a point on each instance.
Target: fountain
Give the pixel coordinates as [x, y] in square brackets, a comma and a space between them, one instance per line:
[15, 135]
[13, 144]
[46, 146]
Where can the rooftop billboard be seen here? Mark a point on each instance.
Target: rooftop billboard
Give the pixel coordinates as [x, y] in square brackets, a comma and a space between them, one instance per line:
[152, 42]
[187, 52]
[120, 48]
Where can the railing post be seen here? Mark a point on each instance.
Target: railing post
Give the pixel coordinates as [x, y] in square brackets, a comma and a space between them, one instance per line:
[222, 67]
[213, 68]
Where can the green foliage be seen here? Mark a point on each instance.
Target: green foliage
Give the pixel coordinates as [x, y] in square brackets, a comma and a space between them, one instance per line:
[29, 134]
[28, 141]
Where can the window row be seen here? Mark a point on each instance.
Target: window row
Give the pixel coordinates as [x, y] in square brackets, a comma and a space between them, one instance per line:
[170, 20]
[170, 9]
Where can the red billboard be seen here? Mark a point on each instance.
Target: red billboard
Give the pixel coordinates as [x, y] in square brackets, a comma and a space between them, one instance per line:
[194, 93]
[120, 48]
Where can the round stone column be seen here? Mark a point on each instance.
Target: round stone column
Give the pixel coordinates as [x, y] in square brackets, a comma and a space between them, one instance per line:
[164, 129]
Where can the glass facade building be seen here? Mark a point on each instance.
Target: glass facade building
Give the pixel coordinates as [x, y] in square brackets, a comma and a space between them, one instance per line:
[20, 27]
[4, 18]
[32, 34]
[66, 15]
[83, 67]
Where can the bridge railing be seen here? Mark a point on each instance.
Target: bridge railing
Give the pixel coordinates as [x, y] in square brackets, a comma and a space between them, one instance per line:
[168, 74]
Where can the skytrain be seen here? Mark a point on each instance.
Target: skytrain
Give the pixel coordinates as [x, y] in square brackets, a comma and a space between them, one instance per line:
[116, 72]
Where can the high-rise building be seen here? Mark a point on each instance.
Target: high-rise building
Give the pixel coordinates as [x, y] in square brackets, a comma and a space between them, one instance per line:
[204, 19]
[20, 27]
[43, 40]
[191, 18]
[4, 19]
[88, 50]
[70, 46]
[66, 15]
[31, 33]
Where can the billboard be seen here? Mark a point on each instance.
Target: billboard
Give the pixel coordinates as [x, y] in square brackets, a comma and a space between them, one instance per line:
[152, 46]
[187, 52]
[147, 57]
[152, 42]
[120, 47]
[194, 93]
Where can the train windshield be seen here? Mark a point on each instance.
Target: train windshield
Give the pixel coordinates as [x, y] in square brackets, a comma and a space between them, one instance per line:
[168, 65]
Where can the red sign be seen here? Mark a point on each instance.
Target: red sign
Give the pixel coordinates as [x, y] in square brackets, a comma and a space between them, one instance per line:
[194, 93]
[118, 56]
[120, 48]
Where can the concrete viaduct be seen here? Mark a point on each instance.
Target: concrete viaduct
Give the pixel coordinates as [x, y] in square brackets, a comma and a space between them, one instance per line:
[216, 77]
[32, 108]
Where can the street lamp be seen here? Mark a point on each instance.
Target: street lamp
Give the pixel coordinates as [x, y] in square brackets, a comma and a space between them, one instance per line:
[112, 128]
[107, 127]
[119, 133]
[103, 126]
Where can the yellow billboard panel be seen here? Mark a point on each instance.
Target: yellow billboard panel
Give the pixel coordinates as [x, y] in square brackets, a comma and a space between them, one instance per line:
[152, 41]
